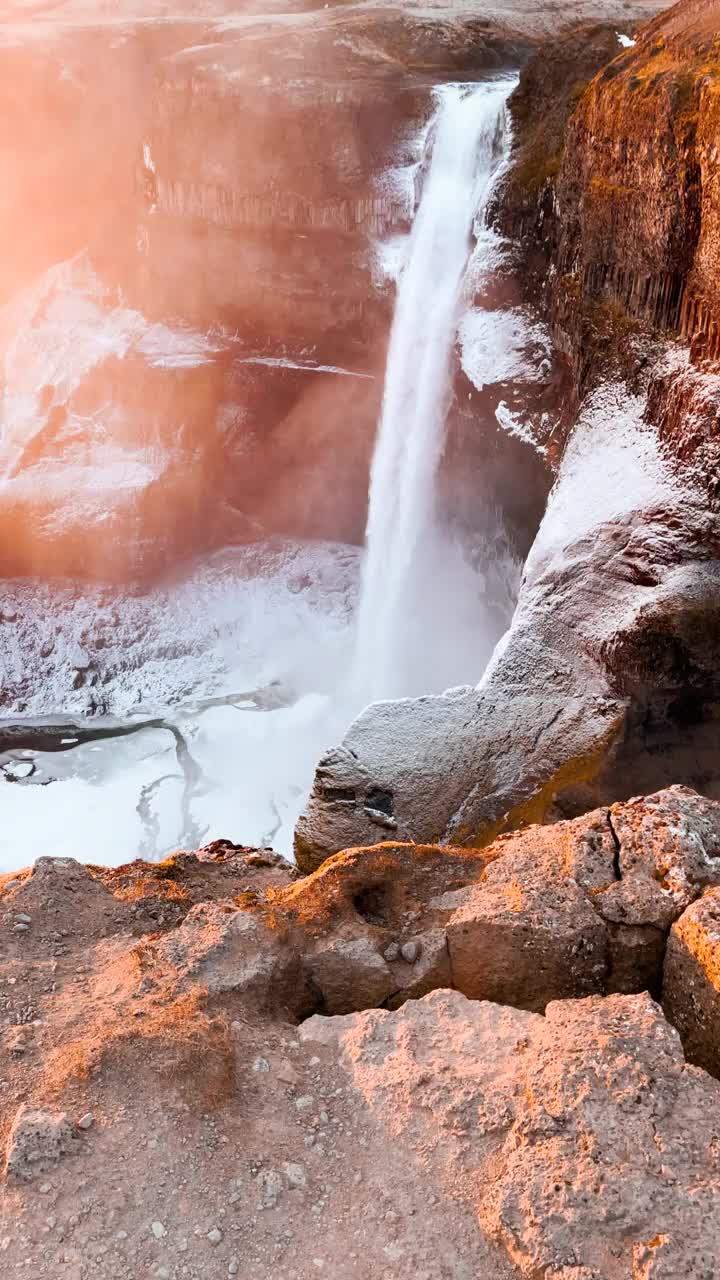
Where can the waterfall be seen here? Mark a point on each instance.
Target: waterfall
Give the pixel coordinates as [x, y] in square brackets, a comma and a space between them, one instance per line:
[412, 577]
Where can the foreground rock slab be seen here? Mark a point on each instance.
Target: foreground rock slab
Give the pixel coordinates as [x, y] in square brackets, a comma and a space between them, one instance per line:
[582, 1141]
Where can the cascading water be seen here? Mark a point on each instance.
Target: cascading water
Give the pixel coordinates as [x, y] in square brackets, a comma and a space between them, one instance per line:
[413, 575]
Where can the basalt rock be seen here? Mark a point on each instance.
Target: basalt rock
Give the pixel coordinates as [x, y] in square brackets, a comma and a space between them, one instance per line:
[691, 985]
[38, 1141]
[583, 1143]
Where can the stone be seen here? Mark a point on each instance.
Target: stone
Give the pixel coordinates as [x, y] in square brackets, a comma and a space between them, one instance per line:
[691, 981]
[270, 1188]
[584, 907]
[295, 1175]
[410, 951]
[350, 975]
[581, 1141]
[159, 1230]
[233, 951]
[431, 969]
[215, 1236]
[86, 1121]
[38, 1140]
[286, 1072]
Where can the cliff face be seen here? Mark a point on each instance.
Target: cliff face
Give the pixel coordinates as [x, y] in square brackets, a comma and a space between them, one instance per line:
[223, 172]
[618, 197]
[639, 189]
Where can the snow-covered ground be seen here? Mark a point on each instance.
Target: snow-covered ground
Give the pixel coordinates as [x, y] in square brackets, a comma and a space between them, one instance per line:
[239, 662]
[225, 687]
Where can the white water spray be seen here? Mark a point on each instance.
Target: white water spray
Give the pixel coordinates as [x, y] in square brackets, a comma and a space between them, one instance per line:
[414, 582]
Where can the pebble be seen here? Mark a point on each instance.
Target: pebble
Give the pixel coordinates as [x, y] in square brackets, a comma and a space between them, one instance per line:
[410, 952]
[21, 928]
[215, 1236]
[158, 1230]
[86, 1121]
[261, 1064]
[233, 1267]
[295, 1175]
[391, 952]
[23, 918]
[304, 1103]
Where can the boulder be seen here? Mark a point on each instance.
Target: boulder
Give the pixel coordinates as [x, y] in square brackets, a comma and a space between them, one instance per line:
[691, 982]
[524, 945]
[233, 952]
[584, 906]
[350, 975]
[609, 1168]
[581, 1142]
[370, 924]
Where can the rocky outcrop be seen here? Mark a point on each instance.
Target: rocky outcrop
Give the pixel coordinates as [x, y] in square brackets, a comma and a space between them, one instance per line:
[562, 911]
[568, 1139]
[604, 685]
[575, 1138]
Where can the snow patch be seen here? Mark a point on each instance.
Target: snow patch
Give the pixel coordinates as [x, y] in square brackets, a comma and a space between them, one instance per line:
[612, 466]
[501, 346]
[514, 425]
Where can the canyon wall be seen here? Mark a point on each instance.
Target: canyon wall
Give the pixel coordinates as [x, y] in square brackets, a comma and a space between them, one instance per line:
[193, 204]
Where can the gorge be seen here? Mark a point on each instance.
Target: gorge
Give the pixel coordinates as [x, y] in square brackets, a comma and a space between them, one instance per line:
[360, 640]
